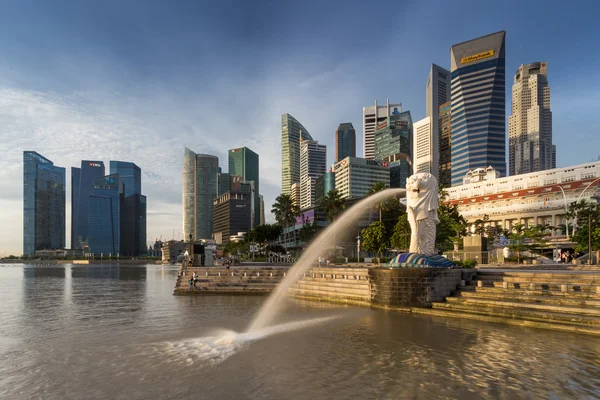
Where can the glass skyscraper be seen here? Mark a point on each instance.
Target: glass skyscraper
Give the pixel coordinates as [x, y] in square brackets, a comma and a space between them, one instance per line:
[199, 190]
[245, 163]
[478, 111]
[291, 133]
[393, 145]
[345, 141]
[105, 205]
[43, 204]
[130, 174]
[82, 183]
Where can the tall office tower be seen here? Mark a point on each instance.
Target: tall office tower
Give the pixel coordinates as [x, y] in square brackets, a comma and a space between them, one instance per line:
[291, 133]
[313, 163]
[325, 183]
[445, 160]
[437, 92]
[105, 215]
[530, 145]
[199, 191]
[295, 194]
[345, 141]
[231, 215]
[373, 116]
[245, 163]
[43, 204]
[133, 221]
[262, 210]
[478, 105]
[393, 146]
[223, 183]
[423, 155]
[82, 183]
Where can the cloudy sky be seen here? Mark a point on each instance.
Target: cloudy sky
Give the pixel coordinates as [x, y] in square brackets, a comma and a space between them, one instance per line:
[139, 80]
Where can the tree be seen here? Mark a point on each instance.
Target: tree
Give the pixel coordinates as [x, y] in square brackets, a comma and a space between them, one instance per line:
[309, 230]
[332, 205]
[517, 237]
[285, 211]
[401, 236]
[480, 228]
[378, 187]
[587, 217]
[373, 239]
[451, 228]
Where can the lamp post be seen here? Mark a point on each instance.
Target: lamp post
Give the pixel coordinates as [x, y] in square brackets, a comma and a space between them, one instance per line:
[358, 248]
[190, 252]
[566, 210]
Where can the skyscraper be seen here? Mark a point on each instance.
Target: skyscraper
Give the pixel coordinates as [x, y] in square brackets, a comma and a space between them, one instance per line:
[373, 116]
[437, 92]
[262, 210]
[133, 221]
[105, 212]
[445, 129]
[423, 155]
[393, 146]
[82, 184]
[478, 105]
[345, 141]
[313, 163]
[199, 190]
[43, 204]
[291, 133]
[245, 163]
[530, 145]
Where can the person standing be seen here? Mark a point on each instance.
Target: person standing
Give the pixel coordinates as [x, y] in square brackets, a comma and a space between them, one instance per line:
[191, 282]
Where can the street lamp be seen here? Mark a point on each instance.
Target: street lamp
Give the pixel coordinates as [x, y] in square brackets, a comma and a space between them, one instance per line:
[190, 252]
[358, 248]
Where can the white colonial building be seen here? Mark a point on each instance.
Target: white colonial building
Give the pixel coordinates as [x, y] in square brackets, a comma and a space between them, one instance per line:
[537, 198]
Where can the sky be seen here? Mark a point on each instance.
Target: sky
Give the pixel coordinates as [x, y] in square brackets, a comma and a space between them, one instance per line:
[140, 80]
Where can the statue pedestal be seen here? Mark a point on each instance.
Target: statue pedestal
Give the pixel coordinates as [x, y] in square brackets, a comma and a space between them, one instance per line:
[414, 260]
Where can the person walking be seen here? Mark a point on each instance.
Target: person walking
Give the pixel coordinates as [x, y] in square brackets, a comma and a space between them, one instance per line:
[191, 282]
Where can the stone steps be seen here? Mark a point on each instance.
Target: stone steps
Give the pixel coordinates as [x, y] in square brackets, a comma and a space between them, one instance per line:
[526, 304]
[329, 295]
[522, 312]
[526, 291]
[366, 291]
[558, 298]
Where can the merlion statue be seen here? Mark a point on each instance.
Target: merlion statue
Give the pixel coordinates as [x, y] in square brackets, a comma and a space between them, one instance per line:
[421, 210]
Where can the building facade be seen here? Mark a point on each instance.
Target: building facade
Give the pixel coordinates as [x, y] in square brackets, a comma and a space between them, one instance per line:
[345, 141]
[262, 210]
[437, 92]
[530, 145]
[43, 204]
[295, 194]
[324, 184]
[478, 97]
[536, 198]
[423, 156]
[231, 215]
[354, 177]
[105, 212]
[373, 116]
[199, 191]
[445, 145]
[245, 163]
[291, 133]
[82, 184]
[393, 145]
[313, 163]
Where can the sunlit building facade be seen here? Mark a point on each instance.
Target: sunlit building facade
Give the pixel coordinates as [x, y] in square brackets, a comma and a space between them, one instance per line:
[291, 133]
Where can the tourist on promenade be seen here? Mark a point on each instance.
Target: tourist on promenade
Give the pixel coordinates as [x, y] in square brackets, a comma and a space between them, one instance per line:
[191, 282]
[328, 260]
[320, 259]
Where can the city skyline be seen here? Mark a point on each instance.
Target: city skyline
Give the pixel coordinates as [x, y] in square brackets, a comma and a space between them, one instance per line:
[85, 102]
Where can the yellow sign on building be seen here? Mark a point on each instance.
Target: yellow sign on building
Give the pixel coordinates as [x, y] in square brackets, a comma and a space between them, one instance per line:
[476, 57]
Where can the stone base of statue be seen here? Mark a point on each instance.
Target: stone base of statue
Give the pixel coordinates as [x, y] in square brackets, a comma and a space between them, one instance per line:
[415, 260]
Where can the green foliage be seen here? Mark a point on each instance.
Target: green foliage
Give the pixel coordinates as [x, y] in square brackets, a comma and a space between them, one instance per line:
[263, 234]
[374, 238]
[285, 210]
[525, 239]
[401, 237]
[308, 231]
[466, 263]
[451, 228]
[382, 205]
[332, 205]
[587, 217]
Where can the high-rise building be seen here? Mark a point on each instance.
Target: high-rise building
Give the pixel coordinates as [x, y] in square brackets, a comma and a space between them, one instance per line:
[133, 220]
[43, 204]
[223, 183]
[530, 145]
[82, 184]
[262, 210]
[354, 177]
[295, 194]
[199, 191]
[437, 92]
[345, 141]
[231, 215]
[373, 116]
[325, 183]
[423, 156]
[445, 159]
[393, 145]
[478, 105]
[245, 163]
[106, 205]
[313, 163]
[291, 133]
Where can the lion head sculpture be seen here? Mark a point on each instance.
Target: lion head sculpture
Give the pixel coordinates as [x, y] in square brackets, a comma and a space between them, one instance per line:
[422, 196]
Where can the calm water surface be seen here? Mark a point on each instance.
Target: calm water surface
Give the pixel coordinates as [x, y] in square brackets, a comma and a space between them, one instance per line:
[118, 333]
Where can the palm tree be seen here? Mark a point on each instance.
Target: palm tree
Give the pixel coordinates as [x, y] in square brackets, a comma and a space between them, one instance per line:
[378, 187]
[285, 211]
[333, 205]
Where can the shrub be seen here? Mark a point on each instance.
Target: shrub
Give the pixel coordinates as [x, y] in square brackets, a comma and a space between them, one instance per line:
[466, 263]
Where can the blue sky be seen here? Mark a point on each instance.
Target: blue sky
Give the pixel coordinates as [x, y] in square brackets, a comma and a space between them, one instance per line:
[139, 80]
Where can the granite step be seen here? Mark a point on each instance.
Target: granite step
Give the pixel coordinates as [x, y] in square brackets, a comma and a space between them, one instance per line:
[530, 305]
[532, 298]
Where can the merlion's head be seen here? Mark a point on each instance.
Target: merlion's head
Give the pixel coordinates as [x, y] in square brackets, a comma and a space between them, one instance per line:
[422, 191]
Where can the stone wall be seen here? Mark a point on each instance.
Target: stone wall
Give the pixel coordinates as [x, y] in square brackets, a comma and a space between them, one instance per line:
[414, 287]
